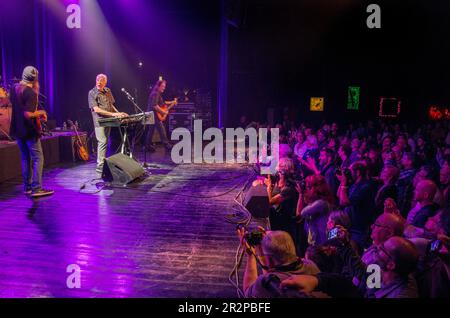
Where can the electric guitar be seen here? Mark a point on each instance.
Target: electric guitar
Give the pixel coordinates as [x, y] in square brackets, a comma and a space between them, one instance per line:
[81, 150]
[166, 108]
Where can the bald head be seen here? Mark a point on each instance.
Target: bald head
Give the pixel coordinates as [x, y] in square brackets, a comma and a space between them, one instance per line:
[403, 253]
[394, 222]
[425, 191]
[386, 226]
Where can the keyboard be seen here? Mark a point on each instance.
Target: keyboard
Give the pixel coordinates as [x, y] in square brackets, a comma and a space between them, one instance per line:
[147, 118]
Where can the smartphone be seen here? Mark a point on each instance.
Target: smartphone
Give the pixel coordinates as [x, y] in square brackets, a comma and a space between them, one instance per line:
[333, 233]
[435, 246]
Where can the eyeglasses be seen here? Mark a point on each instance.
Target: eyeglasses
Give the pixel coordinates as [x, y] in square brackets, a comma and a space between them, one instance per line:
[379, 225]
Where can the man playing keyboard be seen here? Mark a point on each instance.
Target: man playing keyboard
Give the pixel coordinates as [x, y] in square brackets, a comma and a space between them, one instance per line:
[101, 103]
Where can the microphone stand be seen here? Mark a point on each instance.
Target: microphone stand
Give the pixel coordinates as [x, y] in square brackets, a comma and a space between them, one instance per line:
[131, 99]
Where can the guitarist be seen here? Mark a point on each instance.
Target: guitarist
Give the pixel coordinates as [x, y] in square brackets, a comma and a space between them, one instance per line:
[157, 104]
[26, 128]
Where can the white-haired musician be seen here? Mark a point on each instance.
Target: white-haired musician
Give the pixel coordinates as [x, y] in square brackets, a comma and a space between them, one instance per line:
[101, 103]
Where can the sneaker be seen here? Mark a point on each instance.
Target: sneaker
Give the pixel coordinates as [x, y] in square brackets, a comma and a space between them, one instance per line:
[41, 193]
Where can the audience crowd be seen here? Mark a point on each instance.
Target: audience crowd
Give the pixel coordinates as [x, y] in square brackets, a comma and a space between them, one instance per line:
[357, 211]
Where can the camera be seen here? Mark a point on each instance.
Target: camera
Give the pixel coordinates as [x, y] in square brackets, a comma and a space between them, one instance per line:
[274, 178]
[435, 246]
[253, 237]
[333, 233]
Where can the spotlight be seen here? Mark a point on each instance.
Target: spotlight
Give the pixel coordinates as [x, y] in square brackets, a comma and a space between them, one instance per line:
[140, 64]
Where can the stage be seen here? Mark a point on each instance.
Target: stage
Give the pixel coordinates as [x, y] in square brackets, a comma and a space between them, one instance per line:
[164, 236]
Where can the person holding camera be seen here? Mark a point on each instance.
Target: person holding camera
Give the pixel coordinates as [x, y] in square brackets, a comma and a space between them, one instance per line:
[314, 205]
[356, 195]
[276, 255]
[397, 259]
[282, 198]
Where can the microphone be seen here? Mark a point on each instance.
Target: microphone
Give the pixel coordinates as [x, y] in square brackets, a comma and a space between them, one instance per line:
[128, 94]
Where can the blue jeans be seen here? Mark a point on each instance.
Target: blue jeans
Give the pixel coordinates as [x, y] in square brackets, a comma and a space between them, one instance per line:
[32, 163]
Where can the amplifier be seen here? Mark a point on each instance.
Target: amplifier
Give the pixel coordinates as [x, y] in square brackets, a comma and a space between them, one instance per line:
[185, 120]
[184, 107]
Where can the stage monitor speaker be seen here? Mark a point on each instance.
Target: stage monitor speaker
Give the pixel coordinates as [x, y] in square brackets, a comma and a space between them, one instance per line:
[256, 201]
[121, 169]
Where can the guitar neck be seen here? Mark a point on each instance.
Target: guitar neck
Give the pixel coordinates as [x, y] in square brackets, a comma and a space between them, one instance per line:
[76, 132]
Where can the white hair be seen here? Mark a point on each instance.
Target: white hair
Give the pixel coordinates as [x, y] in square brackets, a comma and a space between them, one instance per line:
[101, 76]
[280, 246]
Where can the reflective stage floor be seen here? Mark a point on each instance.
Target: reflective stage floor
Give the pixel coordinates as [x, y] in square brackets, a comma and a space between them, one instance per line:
[165, 236]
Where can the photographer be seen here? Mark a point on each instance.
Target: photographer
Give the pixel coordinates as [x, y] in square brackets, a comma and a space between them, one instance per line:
[282, 198]
[358, 200]
[276, 254]
[397, 259]
[314, 205]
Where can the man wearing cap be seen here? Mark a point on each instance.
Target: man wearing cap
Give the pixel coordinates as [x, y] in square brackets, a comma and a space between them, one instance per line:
[25, 127]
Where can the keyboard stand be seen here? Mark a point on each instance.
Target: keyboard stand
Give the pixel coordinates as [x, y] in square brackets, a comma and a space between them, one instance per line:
[125, 142]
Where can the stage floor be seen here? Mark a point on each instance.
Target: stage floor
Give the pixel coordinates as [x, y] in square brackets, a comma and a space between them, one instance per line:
[157, 238]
